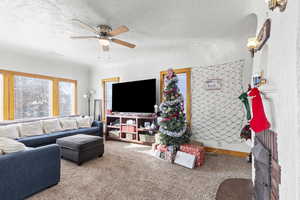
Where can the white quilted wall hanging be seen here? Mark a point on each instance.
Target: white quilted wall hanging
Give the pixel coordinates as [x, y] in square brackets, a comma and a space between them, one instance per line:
[217, 112]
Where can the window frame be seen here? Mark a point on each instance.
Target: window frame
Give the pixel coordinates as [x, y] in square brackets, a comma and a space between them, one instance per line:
[9, 104]
[104, 104]
[4, 99]
[187, 71]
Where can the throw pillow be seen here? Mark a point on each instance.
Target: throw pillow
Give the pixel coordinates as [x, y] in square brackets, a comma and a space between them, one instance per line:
[31, 129]
[84, 122]
[68, 124]
[8, 145]
[91, 119]
[51, 126]
[10, 131]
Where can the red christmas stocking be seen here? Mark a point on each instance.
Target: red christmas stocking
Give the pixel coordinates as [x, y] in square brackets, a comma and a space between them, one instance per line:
[259, 122]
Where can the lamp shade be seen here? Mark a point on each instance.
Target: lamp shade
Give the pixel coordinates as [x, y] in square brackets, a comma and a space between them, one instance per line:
[252, 43]
[104, 42]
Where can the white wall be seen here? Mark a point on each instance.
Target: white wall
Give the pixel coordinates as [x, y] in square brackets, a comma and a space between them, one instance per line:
[17, 59]
[147, 62]
[280, 65]
[218, 115]
[298, 87]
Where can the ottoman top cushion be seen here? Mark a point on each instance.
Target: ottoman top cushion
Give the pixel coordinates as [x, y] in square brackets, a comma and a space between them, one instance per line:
[79, 141]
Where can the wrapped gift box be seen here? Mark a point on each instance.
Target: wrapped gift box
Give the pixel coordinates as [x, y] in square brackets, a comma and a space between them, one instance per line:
[163, 152]
[170, 156]
[185, 159]
[162, 148]
[196, 150]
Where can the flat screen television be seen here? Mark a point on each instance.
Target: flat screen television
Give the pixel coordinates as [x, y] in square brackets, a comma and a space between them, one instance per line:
[135, 96]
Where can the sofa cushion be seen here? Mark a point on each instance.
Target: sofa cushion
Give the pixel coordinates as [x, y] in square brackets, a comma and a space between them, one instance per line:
[31, 129]
[90, 118]
[68, 124]
[39, 140]
[10, 131]
[92, 130]
[45, 139]
[8, 145]
[51, 126]
[84, 122]
[89, 131]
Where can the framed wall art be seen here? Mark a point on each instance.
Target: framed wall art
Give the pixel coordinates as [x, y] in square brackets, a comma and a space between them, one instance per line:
[264, 35]
[213, 84]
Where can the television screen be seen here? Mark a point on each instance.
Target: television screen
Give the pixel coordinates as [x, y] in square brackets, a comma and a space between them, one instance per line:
[136, 96]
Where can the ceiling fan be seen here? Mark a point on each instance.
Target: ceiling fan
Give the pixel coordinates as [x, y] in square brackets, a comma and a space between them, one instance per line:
[104, 34]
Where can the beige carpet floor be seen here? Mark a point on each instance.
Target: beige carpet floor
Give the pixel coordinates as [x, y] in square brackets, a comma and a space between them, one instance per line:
[128, 171]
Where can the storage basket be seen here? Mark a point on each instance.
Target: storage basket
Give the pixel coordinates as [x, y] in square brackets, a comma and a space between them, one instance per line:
[115, 134]
[129, 136]
[128, 128]
[147, 138]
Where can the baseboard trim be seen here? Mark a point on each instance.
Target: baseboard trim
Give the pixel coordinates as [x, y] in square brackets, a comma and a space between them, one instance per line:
[227, 152]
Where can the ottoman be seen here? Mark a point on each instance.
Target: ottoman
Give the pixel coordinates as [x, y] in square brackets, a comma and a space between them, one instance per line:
[80, 148]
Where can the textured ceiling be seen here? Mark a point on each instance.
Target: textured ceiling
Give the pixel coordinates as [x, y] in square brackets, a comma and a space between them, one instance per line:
[45, 25]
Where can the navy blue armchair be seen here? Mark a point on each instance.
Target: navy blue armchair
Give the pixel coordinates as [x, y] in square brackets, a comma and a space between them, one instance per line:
[27, 172]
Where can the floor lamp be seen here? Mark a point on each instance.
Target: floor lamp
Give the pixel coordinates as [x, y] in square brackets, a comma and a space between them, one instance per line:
[89, 96]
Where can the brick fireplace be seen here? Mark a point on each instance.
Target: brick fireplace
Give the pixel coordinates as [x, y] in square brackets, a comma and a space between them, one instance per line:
[267, 169]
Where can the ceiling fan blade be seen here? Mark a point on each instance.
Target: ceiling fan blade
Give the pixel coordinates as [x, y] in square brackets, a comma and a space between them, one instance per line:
[121, 42]
[83, 37]
[86, 26]
[118, 31]
[105, 48]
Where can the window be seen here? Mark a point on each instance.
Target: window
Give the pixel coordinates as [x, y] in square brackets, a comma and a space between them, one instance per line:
[108, 96]
[107, 93]
[66, 98]
[184, 84]
[32, 97]
[182, 79]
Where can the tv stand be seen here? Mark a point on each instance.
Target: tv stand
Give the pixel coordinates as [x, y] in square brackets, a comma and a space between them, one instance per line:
[130, 127]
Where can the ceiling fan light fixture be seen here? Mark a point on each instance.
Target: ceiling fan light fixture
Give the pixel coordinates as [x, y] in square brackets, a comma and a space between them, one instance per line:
[104, 42]
[104, 34]
[281, 4]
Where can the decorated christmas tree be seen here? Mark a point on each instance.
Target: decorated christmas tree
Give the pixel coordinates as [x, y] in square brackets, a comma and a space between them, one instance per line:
[172, 122]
